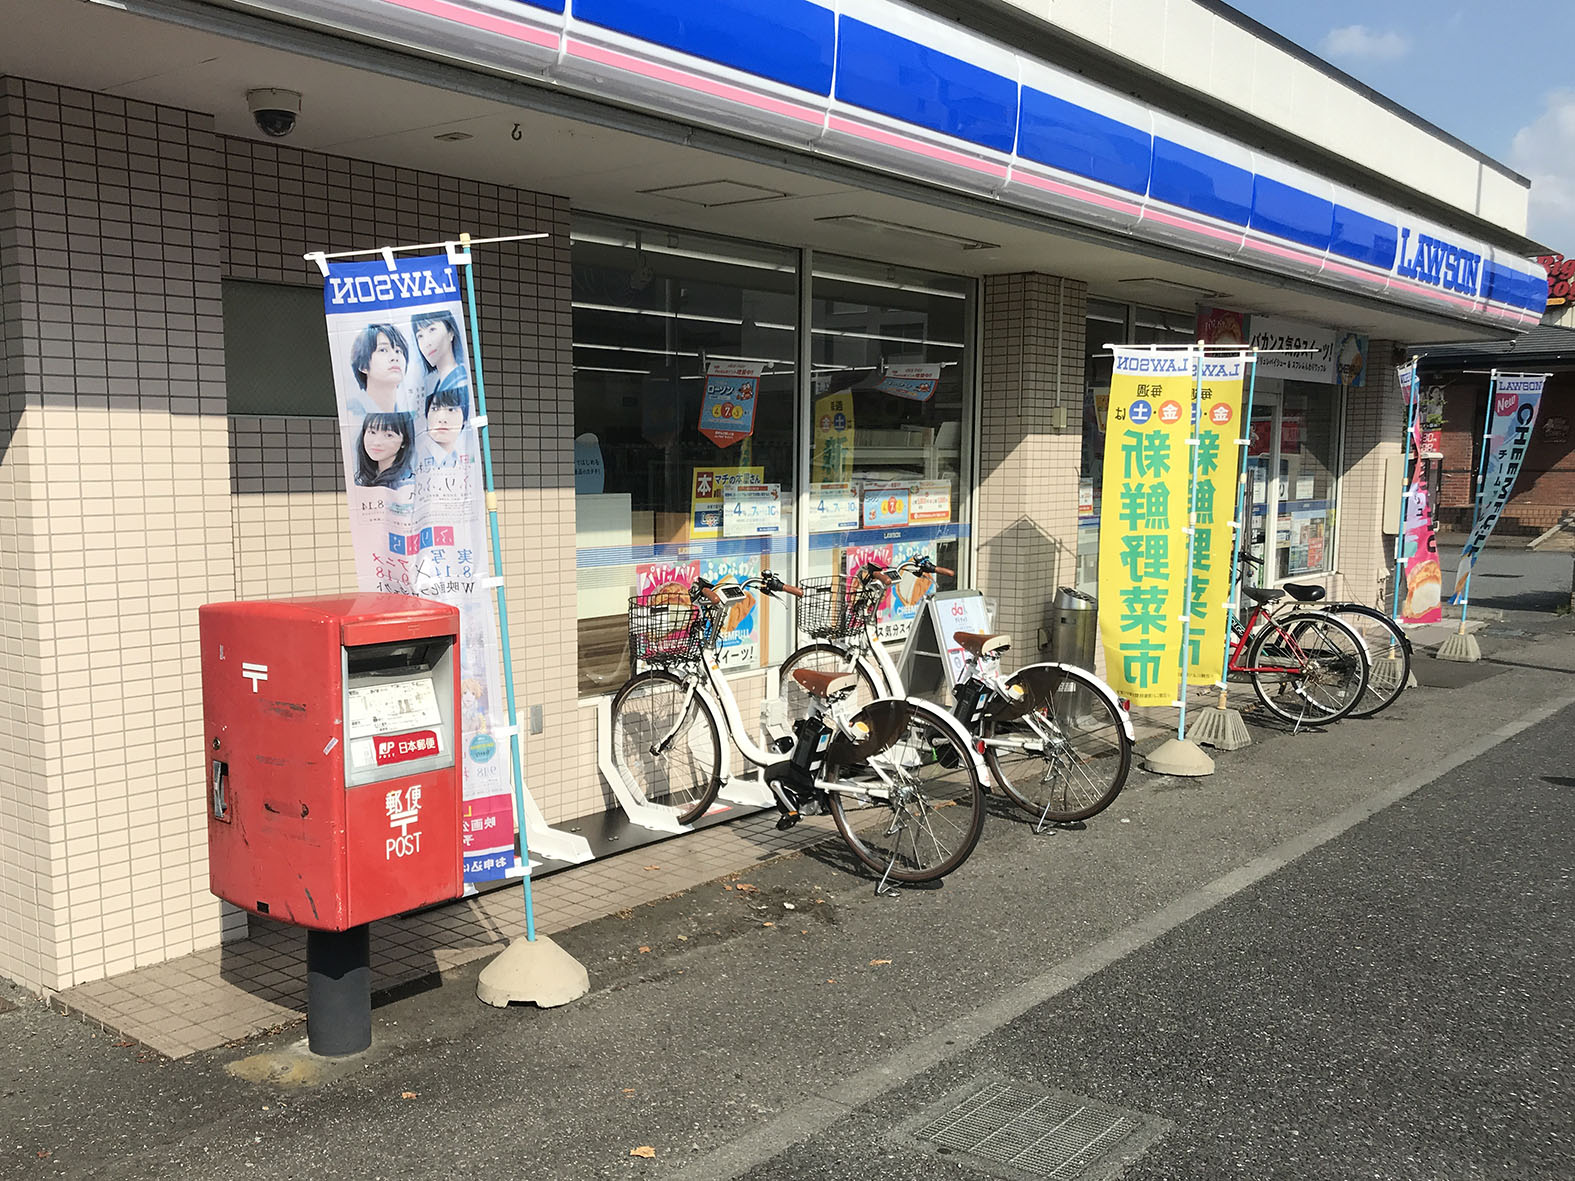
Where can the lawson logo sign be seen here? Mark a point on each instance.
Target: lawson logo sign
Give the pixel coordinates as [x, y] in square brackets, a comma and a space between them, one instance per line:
[1438, 263]
[364, 285]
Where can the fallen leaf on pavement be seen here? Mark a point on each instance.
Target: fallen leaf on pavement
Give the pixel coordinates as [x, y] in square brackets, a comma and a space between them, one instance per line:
[683, 939]
[407, 1094]
[122, 1045]
[747, 888]
[644, 949]
[874, 962]
[653, 867]
[768, 924]
[644, 1150]
[628, 1090]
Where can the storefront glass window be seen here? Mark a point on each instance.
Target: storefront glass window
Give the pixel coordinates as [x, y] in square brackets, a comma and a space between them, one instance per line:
[685, 404]
[891, 387]
[1291, 461]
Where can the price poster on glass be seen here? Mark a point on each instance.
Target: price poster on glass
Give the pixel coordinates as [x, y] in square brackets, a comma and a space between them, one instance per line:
[417, 501]
[732, 390]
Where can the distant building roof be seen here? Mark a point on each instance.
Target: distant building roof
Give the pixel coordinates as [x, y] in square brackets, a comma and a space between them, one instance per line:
[1543, 345]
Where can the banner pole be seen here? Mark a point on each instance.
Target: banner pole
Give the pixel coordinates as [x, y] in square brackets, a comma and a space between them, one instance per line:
[1412, 407]
[484, 432]
[1196, 356]
[1242, 476]
[1476, 500]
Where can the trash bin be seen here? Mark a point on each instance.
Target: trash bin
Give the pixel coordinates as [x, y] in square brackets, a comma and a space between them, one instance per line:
[1073, 627]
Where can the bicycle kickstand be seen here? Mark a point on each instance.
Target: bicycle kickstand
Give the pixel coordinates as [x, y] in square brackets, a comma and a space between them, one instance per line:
[882, 889]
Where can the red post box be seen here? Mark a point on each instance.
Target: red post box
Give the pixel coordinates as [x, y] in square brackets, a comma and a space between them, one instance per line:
[331, 731]
[332, 736]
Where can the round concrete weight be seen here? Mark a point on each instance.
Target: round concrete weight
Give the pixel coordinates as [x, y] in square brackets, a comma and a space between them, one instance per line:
[1179, 756]
[533, 971]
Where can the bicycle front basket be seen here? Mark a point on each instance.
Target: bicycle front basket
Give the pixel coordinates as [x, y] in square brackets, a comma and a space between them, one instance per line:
[664, 630]
[829, 610]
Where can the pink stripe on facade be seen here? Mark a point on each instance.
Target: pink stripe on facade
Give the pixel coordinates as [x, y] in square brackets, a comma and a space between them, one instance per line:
[916, 146]
[479, 20]
[1195, 227]
[1077, 194]
[689, 81]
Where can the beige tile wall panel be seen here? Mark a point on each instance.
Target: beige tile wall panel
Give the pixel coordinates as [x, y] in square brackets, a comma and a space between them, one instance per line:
[1026, 516]
[117, 468]
[128, 498]
[1374, 423]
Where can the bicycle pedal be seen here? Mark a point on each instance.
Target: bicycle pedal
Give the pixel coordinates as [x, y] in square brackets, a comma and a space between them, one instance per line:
[786, 821]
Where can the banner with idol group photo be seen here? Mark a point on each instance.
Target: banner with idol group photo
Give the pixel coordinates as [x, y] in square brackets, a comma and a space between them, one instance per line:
[1515, 399]
[1420, 581]
[417, 497]
[1142, 543]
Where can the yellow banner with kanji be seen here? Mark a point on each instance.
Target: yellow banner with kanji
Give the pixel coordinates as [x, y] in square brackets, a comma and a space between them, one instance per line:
[1219, 460]
[1143, 518]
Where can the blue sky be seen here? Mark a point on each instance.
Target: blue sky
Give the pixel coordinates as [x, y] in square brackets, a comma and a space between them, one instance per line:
[1498, 74]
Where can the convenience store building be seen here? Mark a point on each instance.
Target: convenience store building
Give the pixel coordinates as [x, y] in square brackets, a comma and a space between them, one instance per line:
[834, 190]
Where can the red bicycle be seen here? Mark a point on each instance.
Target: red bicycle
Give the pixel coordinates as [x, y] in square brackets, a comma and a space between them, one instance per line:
[1307, 668]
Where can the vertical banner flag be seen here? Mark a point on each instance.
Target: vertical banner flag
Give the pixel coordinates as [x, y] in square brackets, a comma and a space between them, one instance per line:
[1516, 399]
[1421, 580]
[727, 412]
[418, 520]
[1142, 548]
[1215, 534]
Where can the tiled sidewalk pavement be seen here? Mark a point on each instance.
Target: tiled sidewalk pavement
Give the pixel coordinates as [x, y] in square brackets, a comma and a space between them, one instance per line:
[204, 1000]
[201, 1001]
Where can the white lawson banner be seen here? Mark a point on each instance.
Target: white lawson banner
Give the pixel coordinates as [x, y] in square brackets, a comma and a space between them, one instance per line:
[414, 479]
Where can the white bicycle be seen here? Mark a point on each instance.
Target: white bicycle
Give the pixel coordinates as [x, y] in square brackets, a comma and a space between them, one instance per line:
[899, 776]
[1055, 737]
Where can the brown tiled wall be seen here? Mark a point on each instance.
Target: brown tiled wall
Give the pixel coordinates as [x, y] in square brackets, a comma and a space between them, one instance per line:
[1374, 424]
[117, 481]
[1028, 469]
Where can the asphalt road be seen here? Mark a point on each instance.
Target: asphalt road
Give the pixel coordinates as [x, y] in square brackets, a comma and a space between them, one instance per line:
[1395, 1005]
[1294, 991]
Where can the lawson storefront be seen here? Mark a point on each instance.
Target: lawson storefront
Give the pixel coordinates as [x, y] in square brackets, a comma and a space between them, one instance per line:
[912, 237]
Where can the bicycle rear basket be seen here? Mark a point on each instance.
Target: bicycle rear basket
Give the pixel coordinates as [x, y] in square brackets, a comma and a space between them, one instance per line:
[829, 609]
[665, 630]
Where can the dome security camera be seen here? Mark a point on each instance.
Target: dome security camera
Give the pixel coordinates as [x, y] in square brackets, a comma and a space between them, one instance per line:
[274, 111]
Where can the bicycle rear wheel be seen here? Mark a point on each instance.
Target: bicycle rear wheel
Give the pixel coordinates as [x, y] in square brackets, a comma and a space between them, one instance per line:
[666, 745]
[1388, 655]
[926, 820]
[1308, 669]
[1065, 756]
[822, 657]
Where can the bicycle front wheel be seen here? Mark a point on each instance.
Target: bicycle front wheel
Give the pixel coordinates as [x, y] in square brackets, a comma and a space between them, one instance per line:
[1062, 755]
[1388, 655]
[913, 802]
[822, 658]
[666, 745]
[1308, 669]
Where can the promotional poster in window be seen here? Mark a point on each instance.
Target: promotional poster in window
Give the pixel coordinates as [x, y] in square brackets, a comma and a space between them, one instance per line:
[417, 497]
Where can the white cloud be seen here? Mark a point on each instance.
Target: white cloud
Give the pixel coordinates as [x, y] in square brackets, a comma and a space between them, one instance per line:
[1544, 152]
[1358, 41]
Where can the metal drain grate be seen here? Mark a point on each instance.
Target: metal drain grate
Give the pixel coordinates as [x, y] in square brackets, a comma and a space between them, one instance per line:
[1017, 1131]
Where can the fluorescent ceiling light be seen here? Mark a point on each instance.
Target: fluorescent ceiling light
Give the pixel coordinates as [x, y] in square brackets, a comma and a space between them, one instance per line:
[881, 226]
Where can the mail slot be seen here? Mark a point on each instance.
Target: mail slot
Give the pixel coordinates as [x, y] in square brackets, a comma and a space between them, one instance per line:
[331, 743]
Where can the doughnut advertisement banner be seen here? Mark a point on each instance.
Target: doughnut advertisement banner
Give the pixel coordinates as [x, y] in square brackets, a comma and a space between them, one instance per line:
[417, 498]
[1516, 398]
[1420, 577]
